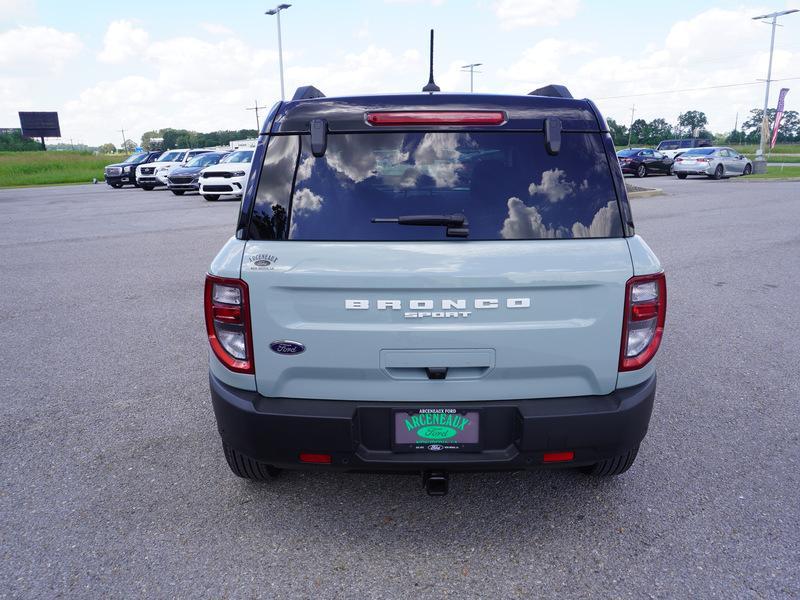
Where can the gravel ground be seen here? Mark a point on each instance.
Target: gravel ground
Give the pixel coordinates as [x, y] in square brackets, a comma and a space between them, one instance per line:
[114, 484]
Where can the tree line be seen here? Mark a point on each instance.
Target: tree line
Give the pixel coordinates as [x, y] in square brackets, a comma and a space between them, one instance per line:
[693, 123]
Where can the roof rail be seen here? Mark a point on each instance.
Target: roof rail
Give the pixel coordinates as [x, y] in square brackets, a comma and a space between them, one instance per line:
[553, 90]
[307, 92]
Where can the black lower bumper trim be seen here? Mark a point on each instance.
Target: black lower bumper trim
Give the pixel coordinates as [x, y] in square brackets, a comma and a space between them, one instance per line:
[515, 434]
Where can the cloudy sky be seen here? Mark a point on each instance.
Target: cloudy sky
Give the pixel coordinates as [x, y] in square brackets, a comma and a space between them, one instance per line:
[146, 65]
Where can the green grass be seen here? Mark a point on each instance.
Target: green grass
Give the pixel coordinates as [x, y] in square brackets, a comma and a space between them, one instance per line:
[777, 173]
[48, 168]
[795, 158]
[778, 149]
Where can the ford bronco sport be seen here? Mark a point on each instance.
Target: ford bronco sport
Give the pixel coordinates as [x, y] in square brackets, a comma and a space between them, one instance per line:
[434, 283]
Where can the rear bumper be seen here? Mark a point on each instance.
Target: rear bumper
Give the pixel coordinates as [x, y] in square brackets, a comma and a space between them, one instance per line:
[515, 434]
[695, 170]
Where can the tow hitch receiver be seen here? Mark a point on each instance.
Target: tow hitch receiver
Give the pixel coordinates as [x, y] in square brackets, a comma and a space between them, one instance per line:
[436, 483]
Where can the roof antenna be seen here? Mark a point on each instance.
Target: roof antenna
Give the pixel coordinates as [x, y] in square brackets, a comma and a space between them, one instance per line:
[431, 87]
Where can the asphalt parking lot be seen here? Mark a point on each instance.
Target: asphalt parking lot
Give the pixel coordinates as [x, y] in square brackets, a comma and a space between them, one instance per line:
[114, 483]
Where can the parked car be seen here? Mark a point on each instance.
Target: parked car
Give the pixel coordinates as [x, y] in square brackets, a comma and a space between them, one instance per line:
[673, 148]
[453, 282]
[155, 174]
[228, 178]
[123, 173]
[642, 162]
[714, 162]
[187, 178]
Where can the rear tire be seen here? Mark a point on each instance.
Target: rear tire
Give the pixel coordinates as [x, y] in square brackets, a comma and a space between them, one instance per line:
[681, 175]
[718, 173]
[641, 171]
[612, 466]
[147, 188]
[747, 170]
[178, 192]
[247, 468]
[211, 197]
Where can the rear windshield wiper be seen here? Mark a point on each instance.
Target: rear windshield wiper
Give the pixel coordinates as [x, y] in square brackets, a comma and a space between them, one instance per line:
[456, 224]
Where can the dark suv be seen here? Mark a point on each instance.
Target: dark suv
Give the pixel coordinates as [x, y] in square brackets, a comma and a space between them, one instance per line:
[434, 283]
[123, 173]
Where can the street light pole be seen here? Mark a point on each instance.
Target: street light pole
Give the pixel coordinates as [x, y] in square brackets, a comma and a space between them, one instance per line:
[277, 11]
[759, 166]
[472, 71]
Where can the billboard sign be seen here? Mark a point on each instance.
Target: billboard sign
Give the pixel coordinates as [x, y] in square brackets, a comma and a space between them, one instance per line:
[40, 124]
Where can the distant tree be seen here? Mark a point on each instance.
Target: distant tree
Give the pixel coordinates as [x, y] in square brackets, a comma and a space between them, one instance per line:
[108, 148]
[691, 120]
[789, 130]
[659, 130]
[184, 138]
[619, 133]
[640, 132]
[16, 143]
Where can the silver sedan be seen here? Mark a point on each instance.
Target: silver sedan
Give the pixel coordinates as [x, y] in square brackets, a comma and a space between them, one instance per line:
[715, 162]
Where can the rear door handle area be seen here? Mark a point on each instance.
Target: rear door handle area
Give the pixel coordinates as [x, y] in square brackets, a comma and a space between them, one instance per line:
[437, 365]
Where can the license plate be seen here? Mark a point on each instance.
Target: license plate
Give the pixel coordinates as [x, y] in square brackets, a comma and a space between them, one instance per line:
[436, 430]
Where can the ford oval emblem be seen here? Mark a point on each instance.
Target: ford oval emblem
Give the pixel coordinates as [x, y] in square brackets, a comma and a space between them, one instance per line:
[287, 347]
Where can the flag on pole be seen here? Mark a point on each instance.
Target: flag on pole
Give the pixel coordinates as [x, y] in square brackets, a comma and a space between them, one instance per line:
[778, 116]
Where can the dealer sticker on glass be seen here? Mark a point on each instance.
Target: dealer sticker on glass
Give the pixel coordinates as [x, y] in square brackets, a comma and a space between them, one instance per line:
[436, 430]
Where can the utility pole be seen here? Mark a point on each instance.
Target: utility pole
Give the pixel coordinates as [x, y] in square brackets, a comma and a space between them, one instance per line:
[124, 139]
[630, 129]
[472, 71]
[760, 165]
[736, 126]
[277, 12]
[256, 108]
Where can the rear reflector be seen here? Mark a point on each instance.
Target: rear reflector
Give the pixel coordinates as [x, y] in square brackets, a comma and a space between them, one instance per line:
[643, 321]
[319, 459]
[551, 457]
[227, 308]
[473, 117]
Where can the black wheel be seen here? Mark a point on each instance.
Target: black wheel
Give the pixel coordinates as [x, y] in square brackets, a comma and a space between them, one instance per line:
[612, 466]
[211, 197]
[178, 192]
[681, 175]
[147, 188]
[671, 170]
[247, 468]
[641, 171]
[718, 173]
[747, 170]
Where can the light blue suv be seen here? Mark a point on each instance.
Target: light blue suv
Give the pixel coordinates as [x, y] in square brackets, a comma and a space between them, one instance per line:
[434, 283]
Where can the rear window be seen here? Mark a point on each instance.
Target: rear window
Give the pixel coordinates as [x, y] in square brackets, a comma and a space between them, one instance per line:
[700, 151]
[506, 185]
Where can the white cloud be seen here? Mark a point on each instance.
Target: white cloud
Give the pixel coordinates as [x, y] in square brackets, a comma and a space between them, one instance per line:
[29, 50]
[216, 29]
[534, 13]
[554, 186]
[606, 223]
[123, 40]
[11, 9]
[525, 222]
[304, 200]
[543, 63]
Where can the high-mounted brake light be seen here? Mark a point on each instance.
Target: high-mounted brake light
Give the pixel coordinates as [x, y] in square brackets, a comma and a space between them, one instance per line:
[227, 309]
[643, 323]
[438, 117]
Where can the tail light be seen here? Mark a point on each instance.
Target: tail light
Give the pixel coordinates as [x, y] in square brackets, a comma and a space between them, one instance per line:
[227, 307]
[643, 323]
[439, 117]
[702, 160]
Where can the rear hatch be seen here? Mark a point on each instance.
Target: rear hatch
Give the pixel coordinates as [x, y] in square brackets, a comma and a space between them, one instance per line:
[524, 299]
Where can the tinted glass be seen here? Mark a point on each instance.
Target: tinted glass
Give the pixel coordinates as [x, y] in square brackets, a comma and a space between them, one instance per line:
[669, 145]
[646, 153]
[170, 157]
[240, 156]
[699, 151]
[135, 158]
[506, 184]
[687, 143]
[625, 153]
[204, 160]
